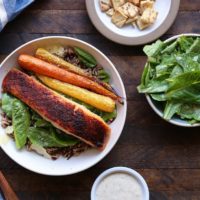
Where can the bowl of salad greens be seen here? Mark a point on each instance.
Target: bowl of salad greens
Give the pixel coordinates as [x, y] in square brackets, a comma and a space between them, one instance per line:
[171, 79]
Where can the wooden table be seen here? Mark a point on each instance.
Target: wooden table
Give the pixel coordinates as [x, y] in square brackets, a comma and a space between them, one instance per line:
[167, 156]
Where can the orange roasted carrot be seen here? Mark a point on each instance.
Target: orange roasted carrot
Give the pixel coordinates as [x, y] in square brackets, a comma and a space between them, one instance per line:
[44, 68]
[43, 54]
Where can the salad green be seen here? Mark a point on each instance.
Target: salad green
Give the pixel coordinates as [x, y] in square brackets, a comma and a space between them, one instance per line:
[172, 77]
[89, 61]
[7, 104]
[28, 125]
[85, 57]
[21, 122]
[48, 138]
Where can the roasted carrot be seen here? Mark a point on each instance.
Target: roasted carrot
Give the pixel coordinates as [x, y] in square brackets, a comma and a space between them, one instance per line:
[45, 55]
[44, 68]
[98, 101]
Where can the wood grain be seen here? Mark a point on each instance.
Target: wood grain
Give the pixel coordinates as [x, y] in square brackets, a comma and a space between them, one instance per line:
[166, 155]
[163, 184]
[59, 5]
[186, 5]
[108, 47]
[77, 22]
[8, 192]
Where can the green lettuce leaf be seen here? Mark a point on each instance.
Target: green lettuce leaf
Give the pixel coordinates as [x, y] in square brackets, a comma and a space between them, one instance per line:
[48, 138]
[185, 43]
[171, 108]
[183, 81]
[190, 112]
[21, 122]
[7, 101]
[154, 49]
[85, 57]
[156, 85]
[195, 47]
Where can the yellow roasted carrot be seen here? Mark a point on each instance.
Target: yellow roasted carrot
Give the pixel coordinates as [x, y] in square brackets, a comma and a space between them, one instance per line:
[43, 54]
[98, 101]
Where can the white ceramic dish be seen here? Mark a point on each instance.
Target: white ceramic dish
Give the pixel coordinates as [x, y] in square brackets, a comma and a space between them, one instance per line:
[62, 166]
[128, 35]
[175, 120]
[136, 175]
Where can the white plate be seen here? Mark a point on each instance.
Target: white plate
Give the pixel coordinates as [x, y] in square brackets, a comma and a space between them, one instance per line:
[167, 11]
[62, 166]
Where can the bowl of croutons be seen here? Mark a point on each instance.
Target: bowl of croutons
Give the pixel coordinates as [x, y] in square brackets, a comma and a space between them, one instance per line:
[132, 22]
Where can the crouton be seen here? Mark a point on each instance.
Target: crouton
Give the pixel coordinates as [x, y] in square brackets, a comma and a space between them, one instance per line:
[129, 10]
[105, 5]
[117, 3]
[118, 18]
[141, 25]
[149, 16]
[135, 2]
[146, 4]
[110, 12]
[131, 20]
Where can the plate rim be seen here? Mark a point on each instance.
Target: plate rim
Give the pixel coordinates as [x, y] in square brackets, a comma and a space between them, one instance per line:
[124, 105]
[132, 41]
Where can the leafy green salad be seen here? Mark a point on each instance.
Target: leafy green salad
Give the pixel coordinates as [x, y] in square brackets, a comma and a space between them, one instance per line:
[27, 124]
[172, 77]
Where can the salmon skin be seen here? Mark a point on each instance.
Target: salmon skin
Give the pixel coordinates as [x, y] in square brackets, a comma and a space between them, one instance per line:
[63, 113]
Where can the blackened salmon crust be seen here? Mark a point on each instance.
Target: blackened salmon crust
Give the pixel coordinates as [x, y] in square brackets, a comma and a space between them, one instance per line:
[61, 112]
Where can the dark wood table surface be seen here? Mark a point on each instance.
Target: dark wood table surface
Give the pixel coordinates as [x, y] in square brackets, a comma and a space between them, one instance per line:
[167, 156]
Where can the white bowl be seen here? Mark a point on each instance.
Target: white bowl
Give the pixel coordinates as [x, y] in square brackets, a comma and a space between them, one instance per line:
[62, 166]
[167, 11]
[125, 170]
[154, 104]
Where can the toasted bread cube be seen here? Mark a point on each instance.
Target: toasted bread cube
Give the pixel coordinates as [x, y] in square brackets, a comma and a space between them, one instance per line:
[149, 16]
[117, 3]
[146, 4]
[141, 25]
[135, 2]
[121, 23]
[105, 5]
[131, 20]
[129, 10]
[110, 12]
[118, 18]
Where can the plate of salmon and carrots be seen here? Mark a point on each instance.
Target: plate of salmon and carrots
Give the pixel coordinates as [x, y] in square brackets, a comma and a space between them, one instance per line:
[63, 105]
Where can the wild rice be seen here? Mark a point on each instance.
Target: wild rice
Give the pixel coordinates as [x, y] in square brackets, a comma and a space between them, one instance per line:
[5, 121]
[67, 152]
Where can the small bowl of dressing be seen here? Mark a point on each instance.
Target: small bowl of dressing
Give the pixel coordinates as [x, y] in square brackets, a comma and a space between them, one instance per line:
[120, 183]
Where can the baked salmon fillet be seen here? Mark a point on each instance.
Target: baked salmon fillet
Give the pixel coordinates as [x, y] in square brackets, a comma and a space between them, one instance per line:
[66, 115]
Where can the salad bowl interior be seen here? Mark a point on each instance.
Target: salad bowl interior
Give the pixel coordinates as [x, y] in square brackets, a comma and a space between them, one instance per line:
[156, 106]
[62, 166]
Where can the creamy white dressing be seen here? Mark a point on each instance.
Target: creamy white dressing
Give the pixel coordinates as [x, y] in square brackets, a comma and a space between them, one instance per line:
[118, 186]
[4, 139]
